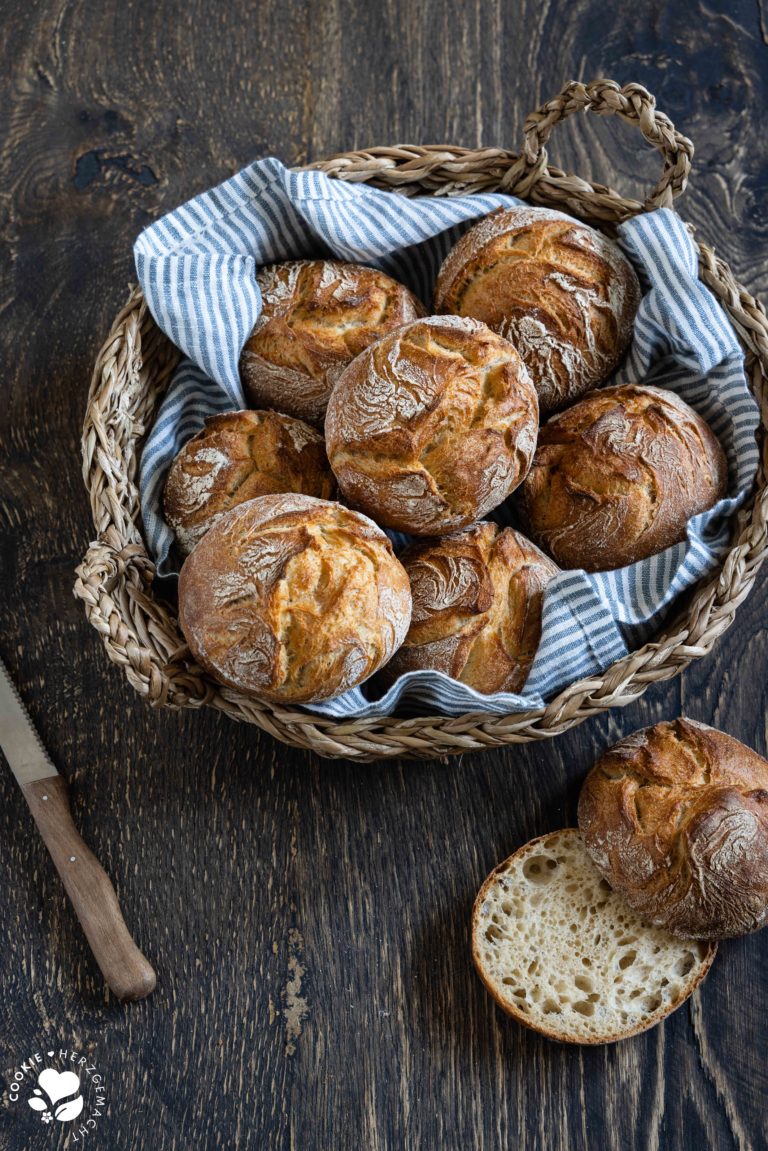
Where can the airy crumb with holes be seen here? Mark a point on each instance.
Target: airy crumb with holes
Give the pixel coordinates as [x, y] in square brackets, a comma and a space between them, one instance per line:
[562, 953]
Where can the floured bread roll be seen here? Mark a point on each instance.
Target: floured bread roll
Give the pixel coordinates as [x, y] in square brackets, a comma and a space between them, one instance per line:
[293, 599]
[317, 316]
[477, 600]
[236, 457]
[676, 818]
[562, 292]
[565, 955]
[616, 477]
[432, 426]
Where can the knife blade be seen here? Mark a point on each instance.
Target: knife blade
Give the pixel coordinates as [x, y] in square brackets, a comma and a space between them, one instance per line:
[126, 971]
[19, 740]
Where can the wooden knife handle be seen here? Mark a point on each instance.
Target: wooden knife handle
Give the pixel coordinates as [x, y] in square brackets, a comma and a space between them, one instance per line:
[125, 969]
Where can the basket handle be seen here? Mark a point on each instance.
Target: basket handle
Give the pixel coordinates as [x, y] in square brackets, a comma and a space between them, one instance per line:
[112, 581]
[632, 103]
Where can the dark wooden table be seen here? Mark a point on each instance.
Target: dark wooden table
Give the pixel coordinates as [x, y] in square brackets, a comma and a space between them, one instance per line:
[308, 919]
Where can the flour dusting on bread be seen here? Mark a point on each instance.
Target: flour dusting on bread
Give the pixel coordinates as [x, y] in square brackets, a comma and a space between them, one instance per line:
[316, 316]
[617, 476]
[477, 608]
[562, 293]
[236, 457]
[676, 819]
[293, 599]
[432, 426]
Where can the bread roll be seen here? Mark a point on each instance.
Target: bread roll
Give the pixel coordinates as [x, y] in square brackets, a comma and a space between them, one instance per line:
[317, 315]
[293, 599]
[477, 600]
[561, 292]
[565, 955]
[616, 477]
[432, 426]
[236, 457]
[676, 819]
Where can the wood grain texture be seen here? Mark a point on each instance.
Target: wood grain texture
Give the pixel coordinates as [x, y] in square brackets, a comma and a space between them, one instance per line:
[309, 920]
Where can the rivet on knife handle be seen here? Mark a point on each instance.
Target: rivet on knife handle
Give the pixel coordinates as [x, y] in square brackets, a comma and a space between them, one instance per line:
[127, 972]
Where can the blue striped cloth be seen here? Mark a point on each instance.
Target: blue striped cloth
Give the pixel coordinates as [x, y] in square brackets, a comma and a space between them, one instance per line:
[197, 269]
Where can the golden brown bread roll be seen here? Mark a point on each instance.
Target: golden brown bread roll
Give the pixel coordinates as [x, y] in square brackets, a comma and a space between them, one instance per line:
[293, 599]
[616, 477]
[675, 818]
[317, 315]
[477, 600]
[561, 292]
[236, 457]
[432, 426]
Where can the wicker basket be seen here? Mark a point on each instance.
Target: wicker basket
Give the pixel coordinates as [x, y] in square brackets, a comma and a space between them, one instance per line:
[141, 632]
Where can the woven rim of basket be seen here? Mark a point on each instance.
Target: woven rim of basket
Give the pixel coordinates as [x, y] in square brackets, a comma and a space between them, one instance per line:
[141, 633]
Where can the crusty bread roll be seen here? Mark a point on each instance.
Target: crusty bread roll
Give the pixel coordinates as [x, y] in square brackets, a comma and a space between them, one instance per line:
[565, 955]
[676, 819]
[236, 457]
[293, 599]
[432, 426]
[317, 315]
[616, 477]
[477, 600]
[561, 292]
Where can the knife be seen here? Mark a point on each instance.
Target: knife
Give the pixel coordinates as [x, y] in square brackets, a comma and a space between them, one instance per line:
[93, 898]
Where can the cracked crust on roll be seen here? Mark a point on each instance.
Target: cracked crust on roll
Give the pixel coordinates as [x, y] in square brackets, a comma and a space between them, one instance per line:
[317, 315]
[432, 426]
[293, 599]
[477, 602]
[561, 292]
[236, 457]
[676, 818]
[616, 477]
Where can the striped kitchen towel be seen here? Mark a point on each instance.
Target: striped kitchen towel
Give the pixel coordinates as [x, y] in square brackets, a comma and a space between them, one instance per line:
[197, 269]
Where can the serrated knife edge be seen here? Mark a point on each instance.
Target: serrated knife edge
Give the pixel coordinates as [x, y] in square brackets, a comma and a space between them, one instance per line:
[91, 893]
[21, 744]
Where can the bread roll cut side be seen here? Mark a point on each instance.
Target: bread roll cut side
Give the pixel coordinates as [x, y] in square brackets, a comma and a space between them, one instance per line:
[564, 955]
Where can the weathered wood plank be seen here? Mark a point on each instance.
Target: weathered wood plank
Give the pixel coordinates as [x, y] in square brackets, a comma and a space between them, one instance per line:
[308, 920]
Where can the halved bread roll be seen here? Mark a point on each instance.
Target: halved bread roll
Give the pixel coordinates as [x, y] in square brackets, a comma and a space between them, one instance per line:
[562, 953]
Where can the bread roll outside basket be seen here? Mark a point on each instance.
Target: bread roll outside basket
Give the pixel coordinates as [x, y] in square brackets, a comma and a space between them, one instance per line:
[133, 368]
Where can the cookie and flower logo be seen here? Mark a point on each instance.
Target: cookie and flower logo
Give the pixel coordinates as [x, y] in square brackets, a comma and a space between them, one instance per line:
[70, 1090]
[57, 1095]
